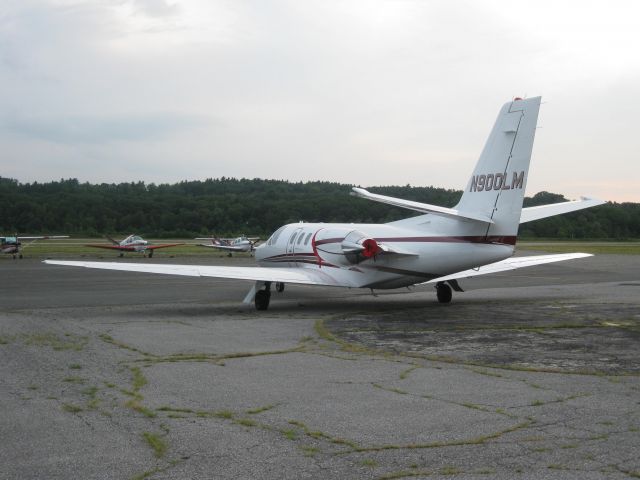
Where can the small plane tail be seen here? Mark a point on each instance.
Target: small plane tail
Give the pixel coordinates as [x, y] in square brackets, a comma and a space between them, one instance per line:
[496, 187]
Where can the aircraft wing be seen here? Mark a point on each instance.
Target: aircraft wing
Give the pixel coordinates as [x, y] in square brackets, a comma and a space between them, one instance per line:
[228, 248]
[45, 237]
[163, 245]
[126, 248]
[286, 275]
[510, 264]
[530, 214]
[417, 206]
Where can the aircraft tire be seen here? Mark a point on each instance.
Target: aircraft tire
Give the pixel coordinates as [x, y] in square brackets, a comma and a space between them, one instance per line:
[150, 253]
[443, 292]
[262, 299]
[279, 287]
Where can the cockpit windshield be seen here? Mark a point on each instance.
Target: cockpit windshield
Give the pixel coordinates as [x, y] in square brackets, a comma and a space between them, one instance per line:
[274, 237]
[9, 240]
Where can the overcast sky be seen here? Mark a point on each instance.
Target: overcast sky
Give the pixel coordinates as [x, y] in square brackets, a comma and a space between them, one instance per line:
[370, 92]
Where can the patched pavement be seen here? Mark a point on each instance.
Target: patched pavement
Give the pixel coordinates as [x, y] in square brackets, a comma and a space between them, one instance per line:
[116, 375]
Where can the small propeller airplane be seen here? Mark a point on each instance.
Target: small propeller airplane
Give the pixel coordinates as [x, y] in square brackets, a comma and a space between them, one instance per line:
[13, 245]
[239, 244]
[440, 246]
[133, 243]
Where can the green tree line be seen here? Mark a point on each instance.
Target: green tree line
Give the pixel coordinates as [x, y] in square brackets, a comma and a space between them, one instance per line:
[229, 206]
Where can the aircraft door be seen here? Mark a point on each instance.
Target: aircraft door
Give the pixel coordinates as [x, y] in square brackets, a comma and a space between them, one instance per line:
[291, 247]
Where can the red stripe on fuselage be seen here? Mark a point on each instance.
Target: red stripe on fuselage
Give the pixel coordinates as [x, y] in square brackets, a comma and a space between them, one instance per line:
[315, 248]
[491, 239]
[298, 257]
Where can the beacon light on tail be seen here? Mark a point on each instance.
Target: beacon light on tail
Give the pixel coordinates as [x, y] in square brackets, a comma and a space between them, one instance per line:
[439, 246]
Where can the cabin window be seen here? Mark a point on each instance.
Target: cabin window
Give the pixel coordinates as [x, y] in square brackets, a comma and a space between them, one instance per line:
[306, 240]
[300, 238]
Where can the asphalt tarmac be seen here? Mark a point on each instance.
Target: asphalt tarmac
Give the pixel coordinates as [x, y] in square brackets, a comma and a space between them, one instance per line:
[528, 374]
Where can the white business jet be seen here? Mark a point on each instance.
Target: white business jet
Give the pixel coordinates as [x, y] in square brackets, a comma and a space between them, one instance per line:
[441, 246]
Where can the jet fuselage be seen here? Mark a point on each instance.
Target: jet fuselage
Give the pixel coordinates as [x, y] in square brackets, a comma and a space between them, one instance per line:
[396, 256]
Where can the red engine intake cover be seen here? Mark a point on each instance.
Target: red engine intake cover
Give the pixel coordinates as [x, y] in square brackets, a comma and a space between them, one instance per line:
[370, 248]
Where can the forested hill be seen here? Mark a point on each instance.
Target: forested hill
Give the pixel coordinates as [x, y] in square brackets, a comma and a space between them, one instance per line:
[228, 206]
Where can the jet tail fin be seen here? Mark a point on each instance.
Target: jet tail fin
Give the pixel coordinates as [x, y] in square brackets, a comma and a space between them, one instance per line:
[496, 187]
[491, 203]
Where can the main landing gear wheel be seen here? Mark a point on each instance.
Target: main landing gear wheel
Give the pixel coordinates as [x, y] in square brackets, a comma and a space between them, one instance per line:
[279, 287]
[443, 292]
[262, 299]
[150, 253]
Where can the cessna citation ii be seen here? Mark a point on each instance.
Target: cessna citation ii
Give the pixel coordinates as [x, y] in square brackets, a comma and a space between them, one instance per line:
[133, 243]
[440, 246]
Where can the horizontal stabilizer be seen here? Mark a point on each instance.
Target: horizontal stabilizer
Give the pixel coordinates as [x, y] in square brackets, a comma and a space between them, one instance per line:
[419, 207]
[530, 214]
[512, 263]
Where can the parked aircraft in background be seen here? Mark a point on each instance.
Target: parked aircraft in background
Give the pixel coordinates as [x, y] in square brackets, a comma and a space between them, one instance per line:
[13, 245]
[239, 244]
[441, 246]
[133, 243]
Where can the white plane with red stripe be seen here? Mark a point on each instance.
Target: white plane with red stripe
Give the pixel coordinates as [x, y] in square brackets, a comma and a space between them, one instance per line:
[238, 244]
[440, 246]
[133, 243]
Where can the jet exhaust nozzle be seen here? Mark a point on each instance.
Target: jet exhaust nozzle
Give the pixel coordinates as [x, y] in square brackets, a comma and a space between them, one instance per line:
[370, 248]
[357, 247]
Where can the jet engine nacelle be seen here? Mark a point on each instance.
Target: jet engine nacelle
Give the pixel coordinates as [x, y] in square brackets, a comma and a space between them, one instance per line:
[345, 247]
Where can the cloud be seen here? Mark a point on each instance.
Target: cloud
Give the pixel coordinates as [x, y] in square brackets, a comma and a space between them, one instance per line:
[268, 89]
[96, 130]
[156, 8]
